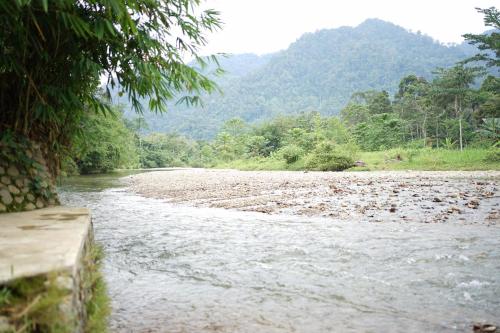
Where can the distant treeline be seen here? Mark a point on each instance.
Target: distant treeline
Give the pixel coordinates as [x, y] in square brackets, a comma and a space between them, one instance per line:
[319, 72]
[446, 112]
[449, 111]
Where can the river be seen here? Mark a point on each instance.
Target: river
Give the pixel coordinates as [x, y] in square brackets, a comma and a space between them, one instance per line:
[173, 268]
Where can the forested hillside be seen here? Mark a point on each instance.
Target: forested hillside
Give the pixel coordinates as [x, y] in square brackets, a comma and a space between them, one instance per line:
[319, 72]
[447, 118]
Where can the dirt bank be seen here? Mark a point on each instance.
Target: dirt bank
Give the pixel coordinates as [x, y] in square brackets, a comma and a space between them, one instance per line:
[429, 197]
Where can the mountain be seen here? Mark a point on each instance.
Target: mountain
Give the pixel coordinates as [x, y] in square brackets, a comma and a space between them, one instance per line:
[320, 71]
[241, 64]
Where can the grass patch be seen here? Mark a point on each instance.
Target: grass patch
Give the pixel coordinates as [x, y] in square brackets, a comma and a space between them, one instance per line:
[270, 164]
[394, 159]
[428, 159]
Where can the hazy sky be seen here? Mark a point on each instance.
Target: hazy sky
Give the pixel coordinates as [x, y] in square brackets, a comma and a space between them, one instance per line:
[263, 26]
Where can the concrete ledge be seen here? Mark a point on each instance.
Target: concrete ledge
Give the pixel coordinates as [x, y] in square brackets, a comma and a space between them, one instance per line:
[52, 251]
[42, 241]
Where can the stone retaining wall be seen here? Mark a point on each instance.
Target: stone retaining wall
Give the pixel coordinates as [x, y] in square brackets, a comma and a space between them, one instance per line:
[26, 182]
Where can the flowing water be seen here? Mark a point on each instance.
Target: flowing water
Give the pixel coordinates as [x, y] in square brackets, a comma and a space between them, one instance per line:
[181, 269]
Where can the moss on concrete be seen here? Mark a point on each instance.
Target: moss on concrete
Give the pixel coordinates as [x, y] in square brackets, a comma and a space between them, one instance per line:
[44, 303]
[98, 306]
[35, 305]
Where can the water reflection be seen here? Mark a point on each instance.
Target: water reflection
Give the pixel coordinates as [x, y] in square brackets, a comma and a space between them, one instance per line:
[180, 269]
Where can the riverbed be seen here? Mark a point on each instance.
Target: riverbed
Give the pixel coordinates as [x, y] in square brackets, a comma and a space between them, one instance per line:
[190, 267]
[392, 196]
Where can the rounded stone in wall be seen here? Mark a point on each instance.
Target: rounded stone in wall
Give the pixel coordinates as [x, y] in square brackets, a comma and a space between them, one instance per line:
[17, 178]
[12, 171]
[39, 203]
[19, 183]
[29, 206]
[5, 180]
[6, 197]
[13, 189]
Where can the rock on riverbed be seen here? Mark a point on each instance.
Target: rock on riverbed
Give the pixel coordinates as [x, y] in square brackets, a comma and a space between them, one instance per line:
[429, 197]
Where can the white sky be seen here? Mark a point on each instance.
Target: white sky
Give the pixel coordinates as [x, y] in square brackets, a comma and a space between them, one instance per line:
[264, 26]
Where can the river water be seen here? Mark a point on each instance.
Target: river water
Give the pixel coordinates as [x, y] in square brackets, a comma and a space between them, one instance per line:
[181, 269]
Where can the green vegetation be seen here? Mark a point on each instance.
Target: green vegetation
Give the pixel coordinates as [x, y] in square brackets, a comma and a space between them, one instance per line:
[488, 44]
[172, 150]
[33, 305]
[425, 122]
[39, 304]
[25, 179]
[108, 144]
[328, 156]
[319, 72]
[394, 159]
[98, 306]
[430, 159]
[54, 54]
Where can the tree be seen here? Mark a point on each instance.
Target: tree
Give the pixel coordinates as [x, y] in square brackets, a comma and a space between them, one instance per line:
[53, 54]
[489, 98]
[487, 42]
[108, 144]
[235, 127]
[377, 102]
[381, 131]
[490, 130]
[138, 125]
[255, 146]
[452, 86]
[414, 105]
[354, 114]
[380, 103]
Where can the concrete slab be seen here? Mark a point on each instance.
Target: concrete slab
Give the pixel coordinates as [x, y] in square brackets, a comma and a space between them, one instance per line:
[42, 241]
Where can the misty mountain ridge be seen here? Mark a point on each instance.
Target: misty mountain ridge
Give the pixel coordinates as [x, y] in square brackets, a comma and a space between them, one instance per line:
[318, 72]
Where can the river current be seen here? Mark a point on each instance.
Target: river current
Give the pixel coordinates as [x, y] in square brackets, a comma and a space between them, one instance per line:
[173, 268]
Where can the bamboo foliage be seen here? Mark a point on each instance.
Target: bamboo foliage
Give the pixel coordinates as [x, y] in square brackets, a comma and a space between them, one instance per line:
[54, 53]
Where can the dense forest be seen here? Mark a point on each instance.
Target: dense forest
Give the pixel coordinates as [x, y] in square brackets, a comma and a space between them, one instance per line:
[319, 72]
[446, 112]
[455, 108]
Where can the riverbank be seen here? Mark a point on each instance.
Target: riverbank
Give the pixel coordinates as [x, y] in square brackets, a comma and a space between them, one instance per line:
[428, 197]
[423, 159]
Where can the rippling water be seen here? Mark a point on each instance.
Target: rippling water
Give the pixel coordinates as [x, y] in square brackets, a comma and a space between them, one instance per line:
[182, 269]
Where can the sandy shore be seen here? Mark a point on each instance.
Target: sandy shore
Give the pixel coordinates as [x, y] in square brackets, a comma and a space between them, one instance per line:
[429, 197]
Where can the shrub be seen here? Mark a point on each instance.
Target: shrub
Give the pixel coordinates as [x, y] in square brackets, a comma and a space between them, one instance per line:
[415, 144]
[291, 153]
[330, 157]
[493, 156]
[380, 132]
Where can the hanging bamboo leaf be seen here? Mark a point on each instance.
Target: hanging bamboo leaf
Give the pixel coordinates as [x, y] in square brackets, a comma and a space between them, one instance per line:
[55, 56]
